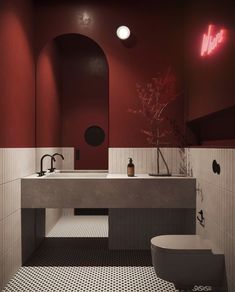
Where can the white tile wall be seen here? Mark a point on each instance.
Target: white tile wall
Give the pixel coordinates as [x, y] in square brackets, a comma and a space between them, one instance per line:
[14, 164]
[1, 202]
[216, 197]
[1, 165]
[67, 212]
[145, 159]
[1, 236]
[68, 162]
[52, 217]
[1, 271]
[11, 197]
[47, 160]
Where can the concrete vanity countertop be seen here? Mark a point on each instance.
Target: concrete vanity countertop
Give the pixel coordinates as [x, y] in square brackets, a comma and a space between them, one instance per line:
[102, 190]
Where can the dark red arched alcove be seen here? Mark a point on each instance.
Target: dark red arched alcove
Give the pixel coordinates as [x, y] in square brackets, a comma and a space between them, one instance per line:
[72, 95]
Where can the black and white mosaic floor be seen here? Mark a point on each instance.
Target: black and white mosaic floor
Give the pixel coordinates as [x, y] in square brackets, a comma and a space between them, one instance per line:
[86, 264]
[85, 252]
[80, 226]
[87, 279]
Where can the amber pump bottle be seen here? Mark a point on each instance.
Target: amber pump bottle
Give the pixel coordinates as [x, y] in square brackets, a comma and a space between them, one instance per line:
[130, 168]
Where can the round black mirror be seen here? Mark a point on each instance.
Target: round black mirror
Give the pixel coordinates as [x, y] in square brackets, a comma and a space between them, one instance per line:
[94, 136]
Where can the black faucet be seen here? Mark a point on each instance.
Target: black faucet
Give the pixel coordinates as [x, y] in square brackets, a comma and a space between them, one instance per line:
[42, 172]
[53, 159]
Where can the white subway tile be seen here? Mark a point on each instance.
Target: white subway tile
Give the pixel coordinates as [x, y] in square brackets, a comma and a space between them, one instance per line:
[27, 161]
[14, 164]
[67, 212]
[153, 160]
[47, 161]
[11, 230]
[8, 199]
[233, 217]
[114, 154]
[16, 225]
[145, 159]
[8, 233]
[227, 212]
[217, 201]
[1, 165]
[1, 202]
[1, 238]
[122, 159]
[17, 162]
[110, 160]
[1, 272]
[52, 217]
[233, 171]
[229, 256]
[11, 197]
[8, 268]
[68, 162]
[233, 260]
[17, 258]
[8, 165]
[225, 177]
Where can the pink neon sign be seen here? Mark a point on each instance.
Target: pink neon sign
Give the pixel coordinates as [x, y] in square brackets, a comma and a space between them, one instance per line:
[211, 40]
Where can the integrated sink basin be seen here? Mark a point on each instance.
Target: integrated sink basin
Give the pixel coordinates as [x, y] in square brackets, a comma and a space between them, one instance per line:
[76, 174]
[98, 189]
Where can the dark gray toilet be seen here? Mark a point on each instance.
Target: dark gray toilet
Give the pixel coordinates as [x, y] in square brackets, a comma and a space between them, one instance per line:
[187, 260]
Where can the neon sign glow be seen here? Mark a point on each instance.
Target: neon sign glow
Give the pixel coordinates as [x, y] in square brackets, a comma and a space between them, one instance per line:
[211, 40]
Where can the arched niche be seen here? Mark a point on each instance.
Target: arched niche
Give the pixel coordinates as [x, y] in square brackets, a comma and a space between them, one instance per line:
[72, 95]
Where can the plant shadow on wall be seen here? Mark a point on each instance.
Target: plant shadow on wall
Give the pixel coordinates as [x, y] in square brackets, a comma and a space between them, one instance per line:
[155, 97]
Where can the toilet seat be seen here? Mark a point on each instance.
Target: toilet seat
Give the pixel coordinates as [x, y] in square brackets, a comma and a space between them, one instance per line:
[184, 244]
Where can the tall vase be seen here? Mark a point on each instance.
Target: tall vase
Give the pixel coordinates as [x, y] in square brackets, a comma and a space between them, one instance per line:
[159, 154]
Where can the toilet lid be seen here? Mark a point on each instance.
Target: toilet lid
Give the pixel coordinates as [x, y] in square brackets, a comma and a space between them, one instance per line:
[179, 243]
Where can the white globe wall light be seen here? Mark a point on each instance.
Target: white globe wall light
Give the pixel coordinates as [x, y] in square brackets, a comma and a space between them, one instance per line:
[123, 32]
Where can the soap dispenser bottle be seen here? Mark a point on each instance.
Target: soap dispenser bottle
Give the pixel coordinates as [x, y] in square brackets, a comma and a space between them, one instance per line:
[130, 168]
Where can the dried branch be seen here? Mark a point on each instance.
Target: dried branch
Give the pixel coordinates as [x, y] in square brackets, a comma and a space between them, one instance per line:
[155, 97]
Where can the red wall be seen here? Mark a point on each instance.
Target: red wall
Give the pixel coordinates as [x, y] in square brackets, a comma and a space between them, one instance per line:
[157, 30]
[17, 81]
[210, 80]
[48, 101]
[209, 83]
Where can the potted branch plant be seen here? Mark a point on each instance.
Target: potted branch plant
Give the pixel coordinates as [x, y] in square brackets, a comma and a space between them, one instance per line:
[155, 96]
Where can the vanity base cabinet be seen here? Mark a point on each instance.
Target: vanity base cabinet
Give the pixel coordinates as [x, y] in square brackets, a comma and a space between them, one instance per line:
[133, 228]
[33, 231]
